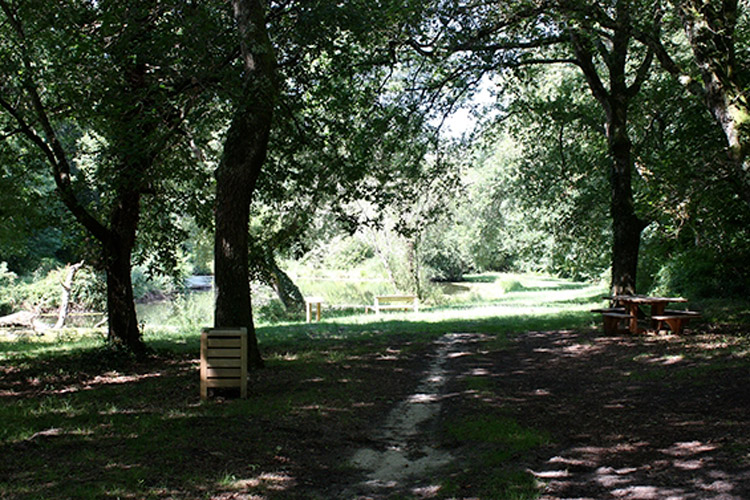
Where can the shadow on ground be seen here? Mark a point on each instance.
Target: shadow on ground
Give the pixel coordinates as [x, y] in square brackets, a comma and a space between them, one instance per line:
[550, 412]
[628, 418]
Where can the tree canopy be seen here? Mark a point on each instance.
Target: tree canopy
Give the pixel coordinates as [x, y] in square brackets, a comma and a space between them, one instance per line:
[138, 121]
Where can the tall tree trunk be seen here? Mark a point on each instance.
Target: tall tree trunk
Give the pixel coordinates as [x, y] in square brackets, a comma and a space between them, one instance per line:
[626, 225]
[234, 185]
[237, 174]
[117, 252]
[615, 99]
[121, 318]
[415, 264]
[288, 292]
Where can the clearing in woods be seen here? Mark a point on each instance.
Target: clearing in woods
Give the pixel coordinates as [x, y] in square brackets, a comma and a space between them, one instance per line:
[536, 403]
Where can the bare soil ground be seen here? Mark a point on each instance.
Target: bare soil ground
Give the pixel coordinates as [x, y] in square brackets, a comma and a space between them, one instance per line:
[648, 417]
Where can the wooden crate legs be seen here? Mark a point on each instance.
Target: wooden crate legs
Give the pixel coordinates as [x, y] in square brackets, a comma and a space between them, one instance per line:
[224, 359]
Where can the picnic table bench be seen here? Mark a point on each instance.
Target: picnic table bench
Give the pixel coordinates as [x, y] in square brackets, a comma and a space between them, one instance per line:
[612, 317]
[627, 310]
[394, 302]
[676, 320]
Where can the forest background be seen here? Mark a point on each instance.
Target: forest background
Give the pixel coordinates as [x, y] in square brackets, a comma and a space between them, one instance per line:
[361, 171]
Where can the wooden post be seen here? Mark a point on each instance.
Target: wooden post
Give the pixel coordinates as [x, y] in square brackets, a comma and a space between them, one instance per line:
[309, 303]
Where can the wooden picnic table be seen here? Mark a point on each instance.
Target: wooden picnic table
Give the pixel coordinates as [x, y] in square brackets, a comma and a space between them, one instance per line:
[632, 304]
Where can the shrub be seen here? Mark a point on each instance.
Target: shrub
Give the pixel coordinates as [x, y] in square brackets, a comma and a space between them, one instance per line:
[700, 273]
[343, 253]
[190, 311]
[148, 285]
[7, 284]
[272, 311]
[42, 290]
[89, 290]
[446, 264]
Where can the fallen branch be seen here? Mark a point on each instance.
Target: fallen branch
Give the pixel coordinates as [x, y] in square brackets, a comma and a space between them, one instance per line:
[24, 319]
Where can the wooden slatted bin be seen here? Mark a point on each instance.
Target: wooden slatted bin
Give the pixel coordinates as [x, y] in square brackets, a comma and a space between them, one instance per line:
[224, 359]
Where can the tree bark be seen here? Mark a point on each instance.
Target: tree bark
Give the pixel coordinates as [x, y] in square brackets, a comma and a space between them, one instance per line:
[710, 28]
[117, 252]
[122, 324]
[626, 225]
[415, 264]
[67, 285]
[236, 177]
[615, 99]
[288, 292]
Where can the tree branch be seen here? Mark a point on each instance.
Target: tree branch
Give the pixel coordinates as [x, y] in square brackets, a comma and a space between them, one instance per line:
[510, 45]
[586, 63]
[10, 134]
[535, 61]
[50, 147]
[641, 74]
[669, 64]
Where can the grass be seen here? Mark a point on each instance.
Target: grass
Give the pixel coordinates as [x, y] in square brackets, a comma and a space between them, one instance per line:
[82, 421]
[497, 441]
[505, 435]
[501, 485]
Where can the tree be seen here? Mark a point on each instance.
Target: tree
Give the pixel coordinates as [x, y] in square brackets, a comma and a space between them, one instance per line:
[245, 150]
[333, 137]
[717, 72]
[101, 91]
[542, 183]
[616, 100]
[469, 41]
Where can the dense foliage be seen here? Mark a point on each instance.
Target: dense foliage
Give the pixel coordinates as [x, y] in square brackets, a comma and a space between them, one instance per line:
[358, 156]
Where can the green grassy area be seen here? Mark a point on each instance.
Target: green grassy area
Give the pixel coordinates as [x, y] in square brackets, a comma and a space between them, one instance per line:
[82, 421]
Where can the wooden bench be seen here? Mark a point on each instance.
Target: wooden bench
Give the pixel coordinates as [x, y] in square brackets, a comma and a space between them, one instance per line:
[609, 310]
[676, 320]
[613, 318]
[223, 359]
[394, 302]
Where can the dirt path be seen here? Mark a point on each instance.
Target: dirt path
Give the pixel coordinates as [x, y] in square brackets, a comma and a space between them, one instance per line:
[403, 453]
[629, 418]
[585, 416]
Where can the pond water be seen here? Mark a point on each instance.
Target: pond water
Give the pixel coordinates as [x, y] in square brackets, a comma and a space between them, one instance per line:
[191, 308]
[186, 309]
